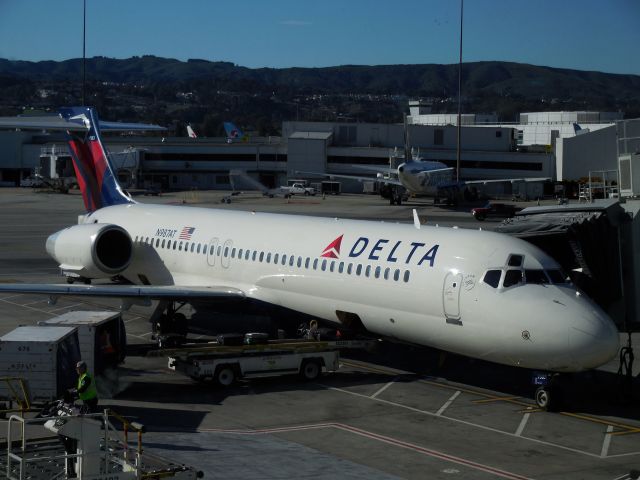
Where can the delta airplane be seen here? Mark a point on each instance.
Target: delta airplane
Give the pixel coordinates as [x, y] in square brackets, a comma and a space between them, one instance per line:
[476, 293]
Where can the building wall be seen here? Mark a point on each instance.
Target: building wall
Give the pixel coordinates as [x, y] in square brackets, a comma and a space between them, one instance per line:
[576, 156]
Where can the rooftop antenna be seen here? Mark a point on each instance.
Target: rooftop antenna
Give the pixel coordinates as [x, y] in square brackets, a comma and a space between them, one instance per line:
[459, 98]
[84, 38]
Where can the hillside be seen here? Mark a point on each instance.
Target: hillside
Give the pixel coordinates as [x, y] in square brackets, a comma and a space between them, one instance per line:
[167, 89]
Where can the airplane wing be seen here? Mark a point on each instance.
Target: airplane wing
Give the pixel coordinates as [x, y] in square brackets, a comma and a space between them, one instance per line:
[391, 181]
[56, 122]
[385, 170]
[150, 292]
[510, 180]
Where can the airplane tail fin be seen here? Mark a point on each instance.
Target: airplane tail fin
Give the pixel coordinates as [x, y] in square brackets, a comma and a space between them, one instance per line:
[191, 133]
[233, 132]
[95, 174]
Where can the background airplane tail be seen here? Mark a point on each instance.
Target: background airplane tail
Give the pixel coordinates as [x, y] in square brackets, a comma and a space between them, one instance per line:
[233, 132]
[96, 178]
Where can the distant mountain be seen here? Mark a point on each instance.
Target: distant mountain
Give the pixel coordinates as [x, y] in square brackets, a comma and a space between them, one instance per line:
[493, 78]
[206, 94]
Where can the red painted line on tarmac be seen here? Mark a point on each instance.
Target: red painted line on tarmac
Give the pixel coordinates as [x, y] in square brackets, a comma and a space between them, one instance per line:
[381, 438]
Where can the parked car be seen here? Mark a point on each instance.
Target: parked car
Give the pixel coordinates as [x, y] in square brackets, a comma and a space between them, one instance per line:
[501, 210]
[297, 189]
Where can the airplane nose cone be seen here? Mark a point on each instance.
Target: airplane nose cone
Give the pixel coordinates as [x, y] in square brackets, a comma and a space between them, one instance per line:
[594, 339]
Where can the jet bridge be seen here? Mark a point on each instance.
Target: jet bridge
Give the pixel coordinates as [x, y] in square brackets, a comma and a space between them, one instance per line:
[595, 243]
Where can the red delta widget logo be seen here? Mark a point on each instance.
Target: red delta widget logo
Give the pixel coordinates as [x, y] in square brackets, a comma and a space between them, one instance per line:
[386, 250]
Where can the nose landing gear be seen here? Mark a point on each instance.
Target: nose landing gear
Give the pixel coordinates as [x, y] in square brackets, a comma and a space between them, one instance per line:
[548, 395]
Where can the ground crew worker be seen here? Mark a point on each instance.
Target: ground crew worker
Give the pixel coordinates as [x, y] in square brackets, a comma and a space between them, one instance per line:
[87, 388]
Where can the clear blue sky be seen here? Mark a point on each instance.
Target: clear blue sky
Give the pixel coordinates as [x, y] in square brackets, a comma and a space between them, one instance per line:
[581, 34]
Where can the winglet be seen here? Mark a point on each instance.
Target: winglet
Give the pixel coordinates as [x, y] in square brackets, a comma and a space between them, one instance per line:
[416, 220]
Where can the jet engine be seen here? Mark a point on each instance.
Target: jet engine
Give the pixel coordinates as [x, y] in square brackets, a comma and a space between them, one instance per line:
[94, 250]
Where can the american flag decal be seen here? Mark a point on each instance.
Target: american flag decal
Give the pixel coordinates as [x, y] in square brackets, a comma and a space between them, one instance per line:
[186, 232]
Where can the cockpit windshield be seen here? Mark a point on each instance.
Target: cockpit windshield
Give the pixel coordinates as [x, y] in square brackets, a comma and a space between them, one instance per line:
[536, 276]
[557, 276]
[517, 276]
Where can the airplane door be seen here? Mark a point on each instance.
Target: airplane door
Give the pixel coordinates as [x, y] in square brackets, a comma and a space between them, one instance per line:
[225, 257]
[211, 252]
[451, 296]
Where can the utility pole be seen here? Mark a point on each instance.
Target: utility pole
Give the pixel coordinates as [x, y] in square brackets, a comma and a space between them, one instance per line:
[84, 38]
[459, 98]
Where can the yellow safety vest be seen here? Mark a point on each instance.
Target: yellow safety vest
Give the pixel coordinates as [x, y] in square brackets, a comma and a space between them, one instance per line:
[90, 392]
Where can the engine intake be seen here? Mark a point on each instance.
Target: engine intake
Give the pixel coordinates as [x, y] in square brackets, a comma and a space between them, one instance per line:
[95, 250]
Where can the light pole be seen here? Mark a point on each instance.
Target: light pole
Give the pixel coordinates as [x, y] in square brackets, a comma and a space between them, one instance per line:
[459, 97]
[84, 38]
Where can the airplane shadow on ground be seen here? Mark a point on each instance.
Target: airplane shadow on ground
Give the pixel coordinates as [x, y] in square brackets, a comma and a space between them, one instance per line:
[593, 392]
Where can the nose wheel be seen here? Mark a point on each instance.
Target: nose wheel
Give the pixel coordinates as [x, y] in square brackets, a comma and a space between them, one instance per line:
[543, 397]
[548, 395]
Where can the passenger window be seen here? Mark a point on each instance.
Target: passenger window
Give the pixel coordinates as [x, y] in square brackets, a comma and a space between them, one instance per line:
[291, 260]
[284, 259]
[255, 254]
[407, 274]
[306, 262]
[174, 244]
[268, 258]
[211, 248]
[386, 273]
[233, 253]
[163, 243]
[261, 256]
[157, 242]
[247, 254]
[367, 271]
[377, 274]
[492, 278]
[180, 246]
[358, 269]
[396, 274]
[349, 268]
[315, 263]
[535, 276]
[332, 266]
[198, 249]
[299, 262]
[512, 277]
[226, 251]
[219, 250]
[193, 247]
[276, 257]
[515, 261]
[324, 265]
[341, 267]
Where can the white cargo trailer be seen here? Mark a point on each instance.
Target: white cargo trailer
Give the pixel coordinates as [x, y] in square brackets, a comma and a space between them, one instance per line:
[101, 336]
[45, 358]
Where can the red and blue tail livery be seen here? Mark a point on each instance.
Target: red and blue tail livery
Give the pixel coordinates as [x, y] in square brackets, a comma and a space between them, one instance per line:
[95, 175]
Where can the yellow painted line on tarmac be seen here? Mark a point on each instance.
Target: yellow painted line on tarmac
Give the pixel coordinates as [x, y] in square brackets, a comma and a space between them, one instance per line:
[488, 398]
[495, 399]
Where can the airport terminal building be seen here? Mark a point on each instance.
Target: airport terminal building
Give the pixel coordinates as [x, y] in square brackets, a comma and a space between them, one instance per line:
[491, 152]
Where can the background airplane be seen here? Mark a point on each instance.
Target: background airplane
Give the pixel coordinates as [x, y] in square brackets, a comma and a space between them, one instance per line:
[421, 178]
[475, 293]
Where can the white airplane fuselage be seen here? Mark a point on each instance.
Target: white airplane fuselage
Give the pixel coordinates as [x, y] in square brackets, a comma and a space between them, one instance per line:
[415, 177]
[424, 286]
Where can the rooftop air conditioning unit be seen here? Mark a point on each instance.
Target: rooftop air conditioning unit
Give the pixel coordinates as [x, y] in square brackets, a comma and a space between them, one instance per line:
[629, 167]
